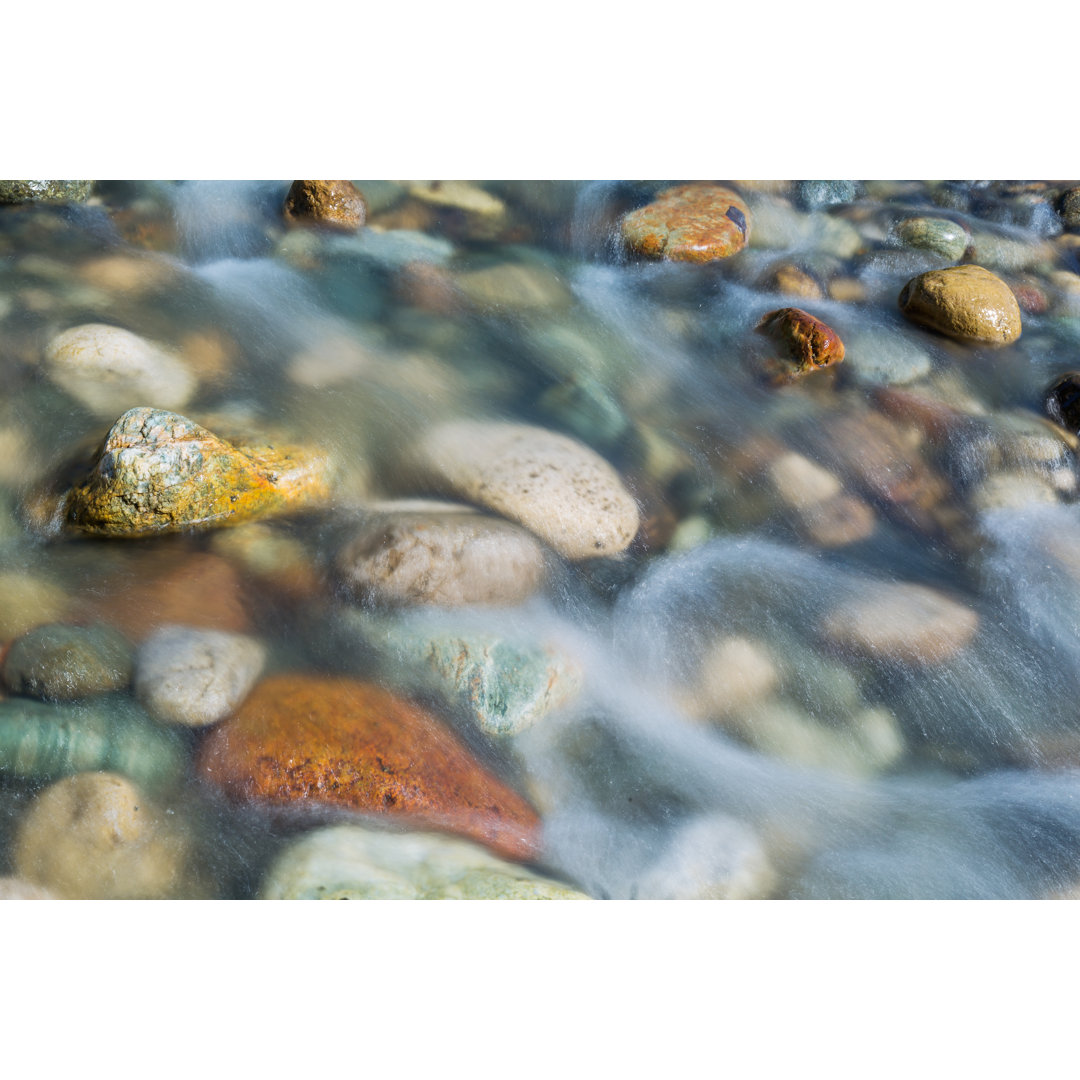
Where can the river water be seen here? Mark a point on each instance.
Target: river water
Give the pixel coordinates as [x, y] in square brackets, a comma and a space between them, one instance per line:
[723, 731]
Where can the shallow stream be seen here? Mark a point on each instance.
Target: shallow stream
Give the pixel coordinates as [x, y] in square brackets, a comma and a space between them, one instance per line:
[839, 659]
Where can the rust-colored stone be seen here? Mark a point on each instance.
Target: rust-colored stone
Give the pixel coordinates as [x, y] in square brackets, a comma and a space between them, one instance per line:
[159, 472]
[691, 223]
[331, 204]
[807, 343]
[349, 744]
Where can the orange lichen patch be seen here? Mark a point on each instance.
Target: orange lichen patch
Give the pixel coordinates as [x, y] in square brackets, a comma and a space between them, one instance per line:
[349, 744]
[808, 343]
[203, 591]
[691, 223]
[334, 204]
[160, 472]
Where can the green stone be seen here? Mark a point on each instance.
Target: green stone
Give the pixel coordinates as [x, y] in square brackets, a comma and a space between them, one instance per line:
[939, 235]
[50, 191]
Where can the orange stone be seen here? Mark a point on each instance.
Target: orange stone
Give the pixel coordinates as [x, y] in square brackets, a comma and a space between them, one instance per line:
[691, 223]
[344, 743]
[808, 343]
[328, 204]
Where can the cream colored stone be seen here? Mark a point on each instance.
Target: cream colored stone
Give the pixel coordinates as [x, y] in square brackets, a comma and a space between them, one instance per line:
[459, 194]
[552, 484]
[110, 370]
[800, 482]
[513, 287]
[735, 673]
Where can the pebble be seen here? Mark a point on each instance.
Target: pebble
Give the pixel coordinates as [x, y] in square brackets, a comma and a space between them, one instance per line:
[711, 857]
[97, 836]
[159, 472]
[735, 673]
[513, 287]
[911, 624]
[691, 223]
[40, 741]
[1062, 401]
[967, 303]
[882, 356]
[502, 683]
[555, 486]
[349, 862]
[46, 191]
[136, 274]
[820, 508]
[939, 235]
[196, 677]
[790, 279]
[447, 557]
[303, 739]
[328, 204]
[26, 601]
[1006, 254]
[818, 194]
[1070, 208]
[61, 662]
[484, 212]
[806, 343]
[109, 369]
[847, 290]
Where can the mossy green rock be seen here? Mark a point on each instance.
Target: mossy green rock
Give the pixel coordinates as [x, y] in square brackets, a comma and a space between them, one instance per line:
[939, 235]
[40, 741]
[49, 191]
[59, 662]
[349, 862]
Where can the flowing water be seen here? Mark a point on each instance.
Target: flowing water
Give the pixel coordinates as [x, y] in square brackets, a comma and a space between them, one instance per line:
[718, 736]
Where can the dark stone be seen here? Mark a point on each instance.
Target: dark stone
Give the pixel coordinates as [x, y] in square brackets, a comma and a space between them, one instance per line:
[1062, 402]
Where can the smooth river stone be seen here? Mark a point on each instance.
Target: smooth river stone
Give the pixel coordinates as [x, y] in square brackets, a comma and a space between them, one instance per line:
[691, 223]
[555, 486]
[159, 472]
[302, 739]
[60, 662]
[333, 204]
[196, 677]
[806, 342]
[46, 191]
[109, 369]
[97, 836]
[503, 685]
[912, 624]
[449, 559]
[967, 303]
[40, 741]
[349, 862]
[939, 235]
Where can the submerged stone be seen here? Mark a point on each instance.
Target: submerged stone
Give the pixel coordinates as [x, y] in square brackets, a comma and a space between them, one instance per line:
[690, 223]
[160, 472]
[967, 303]
[552, 484]
[307, 739]
[41, 741]
[333, 204]
[47, 191]
[807, 343]
[1062, 401]
[60, 662]
[349, 862]
[940, 235]
[817, 194]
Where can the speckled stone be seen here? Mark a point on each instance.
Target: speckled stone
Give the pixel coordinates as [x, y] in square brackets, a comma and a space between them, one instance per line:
[555, 486]
[939, 235]
[349, 862]
[967, 303]
[308, 740]
[108, 369]
[818, 194]
[60, 662]
[160, 472]
[328, 204]
[691, 223]
[48, 191]
[501, 683]
[449, 558]
[196, 677]
[97, 836]
[1070, 208]
[912, 624]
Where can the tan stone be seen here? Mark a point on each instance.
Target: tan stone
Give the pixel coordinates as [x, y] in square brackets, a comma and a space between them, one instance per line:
[514, 287]
[967, 303]
[333, 204]
[735, 673]
[788, 278]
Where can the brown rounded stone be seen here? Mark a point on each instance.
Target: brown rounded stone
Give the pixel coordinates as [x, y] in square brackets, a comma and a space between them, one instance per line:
[159, 472]
[339, 742]
[691, 223]
[790, 279]
[807, 343]
[332, 204]
[967, 303]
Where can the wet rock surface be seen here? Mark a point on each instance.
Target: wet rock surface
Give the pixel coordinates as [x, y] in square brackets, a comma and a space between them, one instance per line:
[691, 223]
[60, 662]
[160, 472]
[805, 342]
[343, 743]
[46, 191]
[327, 204]
[964, 302]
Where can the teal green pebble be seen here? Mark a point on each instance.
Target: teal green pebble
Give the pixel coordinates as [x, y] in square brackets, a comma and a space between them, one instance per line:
[60, 662]
[939, 235]
[817, 194]
[40, 741]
